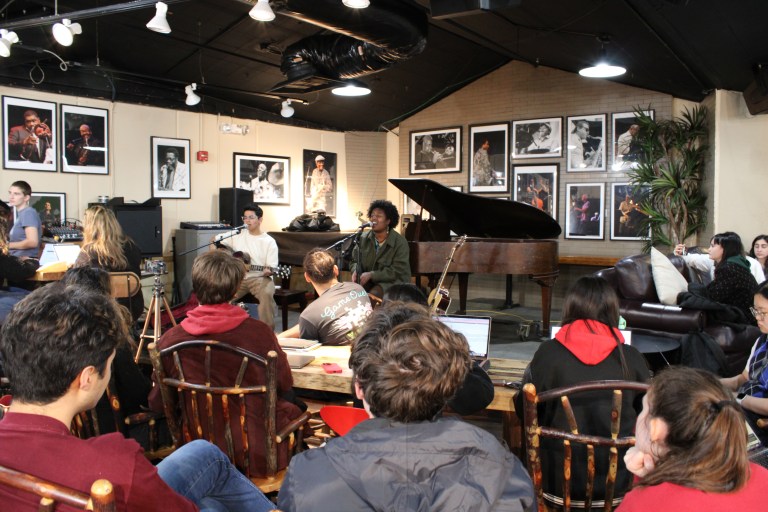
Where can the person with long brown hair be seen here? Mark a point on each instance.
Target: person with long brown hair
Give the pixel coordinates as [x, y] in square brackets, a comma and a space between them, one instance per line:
[106, 246]
[588, 347]
[690, 450]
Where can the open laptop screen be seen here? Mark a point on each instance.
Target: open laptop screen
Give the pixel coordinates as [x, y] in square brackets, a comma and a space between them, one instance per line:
[477, 330]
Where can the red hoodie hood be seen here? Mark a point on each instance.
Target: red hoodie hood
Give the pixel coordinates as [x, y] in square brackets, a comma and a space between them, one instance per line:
[590, 341]
[213, 319]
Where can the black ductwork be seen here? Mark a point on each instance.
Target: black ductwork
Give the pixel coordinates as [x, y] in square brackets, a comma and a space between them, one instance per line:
[366, 41]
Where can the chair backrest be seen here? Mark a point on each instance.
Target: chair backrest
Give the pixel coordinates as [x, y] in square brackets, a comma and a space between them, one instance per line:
[198, 401]
[101, 499]
[535, 433]
[341, 419]
[124, 284]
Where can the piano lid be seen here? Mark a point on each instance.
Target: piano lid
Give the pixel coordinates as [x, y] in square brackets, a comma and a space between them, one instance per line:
[477, 216]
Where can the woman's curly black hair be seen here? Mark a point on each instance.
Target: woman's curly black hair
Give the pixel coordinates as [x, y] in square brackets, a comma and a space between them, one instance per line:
[389, 209]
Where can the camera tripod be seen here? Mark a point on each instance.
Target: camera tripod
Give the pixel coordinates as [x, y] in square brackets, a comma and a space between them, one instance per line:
[153, 313]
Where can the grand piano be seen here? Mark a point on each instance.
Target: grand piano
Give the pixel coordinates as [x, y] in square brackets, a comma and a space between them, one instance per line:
[504, 237]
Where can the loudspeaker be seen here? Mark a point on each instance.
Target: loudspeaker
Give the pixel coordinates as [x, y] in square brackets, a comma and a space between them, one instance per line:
[231, 202]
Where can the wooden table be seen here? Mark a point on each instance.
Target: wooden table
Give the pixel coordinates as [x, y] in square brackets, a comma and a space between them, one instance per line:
[312, 376]
[53, 272]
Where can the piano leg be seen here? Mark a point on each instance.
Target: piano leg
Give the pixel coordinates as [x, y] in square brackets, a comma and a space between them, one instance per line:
[508, 304]
[463, 282]
[546, 281]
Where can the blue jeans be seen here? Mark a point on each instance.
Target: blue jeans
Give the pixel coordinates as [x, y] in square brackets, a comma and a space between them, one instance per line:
[201, 472]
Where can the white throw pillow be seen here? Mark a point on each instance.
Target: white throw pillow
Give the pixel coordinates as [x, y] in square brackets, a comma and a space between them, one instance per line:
[668, 280]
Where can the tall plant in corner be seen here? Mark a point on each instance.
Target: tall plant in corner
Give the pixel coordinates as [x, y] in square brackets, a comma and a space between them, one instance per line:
[671, 162]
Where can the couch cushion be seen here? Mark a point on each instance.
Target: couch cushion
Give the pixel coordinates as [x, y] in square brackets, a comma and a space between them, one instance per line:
[668, 280]
[634, 278]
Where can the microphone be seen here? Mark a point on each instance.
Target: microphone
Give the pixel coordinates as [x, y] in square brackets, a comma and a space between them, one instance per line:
[367, 225]
[238, 228]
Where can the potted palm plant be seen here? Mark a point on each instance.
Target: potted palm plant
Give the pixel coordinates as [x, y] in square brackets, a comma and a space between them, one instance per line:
[672, 154]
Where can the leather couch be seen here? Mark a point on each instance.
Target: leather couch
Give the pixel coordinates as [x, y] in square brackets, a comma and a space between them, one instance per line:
[632, 279]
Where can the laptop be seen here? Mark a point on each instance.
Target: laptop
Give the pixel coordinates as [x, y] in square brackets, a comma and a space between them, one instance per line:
[477, 330]
[53, 253]
[755, 450]
[298, 344]
[296, 361]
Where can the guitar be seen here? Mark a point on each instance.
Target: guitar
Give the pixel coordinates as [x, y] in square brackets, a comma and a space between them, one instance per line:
[281, 271]
[439, 298]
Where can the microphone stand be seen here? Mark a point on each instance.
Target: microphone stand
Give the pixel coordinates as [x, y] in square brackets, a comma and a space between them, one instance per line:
[235, 231]
[339, 246]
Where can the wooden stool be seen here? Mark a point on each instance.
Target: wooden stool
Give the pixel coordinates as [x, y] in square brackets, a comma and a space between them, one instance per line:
[285, 297]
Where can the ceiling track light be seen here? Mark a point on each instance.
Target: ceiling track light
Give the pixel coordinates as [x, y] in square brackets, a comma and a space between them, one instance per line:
[262, 11]
[603, 68]
[64, 33]
[356, 4]
[287, 110]
[192, 98]
[7, 38]
[351, 88]
[160, 23]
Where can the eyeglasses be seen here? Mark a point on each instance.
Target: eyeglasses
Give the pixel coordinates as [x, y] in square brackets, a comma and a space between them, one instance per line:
[249, 217]
[758, 314]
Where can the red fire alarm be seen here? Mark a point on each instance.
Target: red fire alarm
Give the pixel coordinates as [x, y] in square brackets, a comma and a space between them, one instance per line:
[202, 156]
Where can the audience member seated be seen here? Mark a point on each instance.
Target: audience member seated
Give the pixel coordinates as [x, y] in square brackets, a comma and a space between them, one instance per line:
[216, 277]
[106, 246]
[12, 269]
[476, 393]
[407, 457]
[759, 252]
[59, 344]
[751, 385]
[588, 347]
[690, 450]
[339, 312]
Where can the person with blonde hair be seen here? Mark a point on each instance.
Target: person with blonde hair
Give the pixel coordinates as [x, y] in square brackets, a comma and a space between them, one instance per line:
[106, 246]
[690, 450]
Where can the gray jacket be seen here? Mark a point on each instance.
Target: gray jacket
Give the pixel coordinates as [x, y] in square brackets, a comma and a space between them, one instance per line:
[427, 466]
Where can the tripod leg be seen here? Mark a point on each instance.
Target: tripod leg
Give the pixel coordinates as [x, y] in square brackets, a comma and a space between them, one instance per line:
[168, 309]
[143, 337]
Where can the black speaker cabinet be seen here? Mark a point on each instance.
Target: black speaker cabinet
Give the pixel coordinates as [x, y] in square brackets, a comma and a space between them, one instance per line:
[231, 202]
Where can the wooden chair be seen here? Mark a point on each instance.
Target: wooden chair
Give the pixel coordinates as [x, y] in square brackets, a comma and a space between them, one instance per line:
[195, 401]
[124, 284]
[534, 433]
[101, 499]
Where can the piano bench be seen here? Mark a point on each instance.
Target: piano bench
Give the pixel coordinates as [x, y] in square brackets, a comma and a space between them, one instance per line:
[285, 298]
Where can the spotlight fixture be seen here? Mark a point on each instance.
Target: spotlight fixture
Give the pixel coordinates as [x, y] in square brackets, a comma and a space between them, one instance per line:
[262, 11]
[64, 33]
[192, 98]
[356, 4]
[603, 68]
[6, 40]
[159, 23]
[287, 110]
[351, 88]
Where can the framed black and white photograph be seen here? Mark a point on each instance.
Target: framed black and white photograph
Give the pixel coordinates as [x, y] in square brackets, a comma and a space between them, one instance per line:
[31, 141]
[319, 182]
[266, 175]
[626, 211]
[85, 140]
[435, 151]
[536, 185]
[626, 149]
[586, 143]
[489, 158]
[50, 206]
[584, 219]
[170, 168]
[537, 138]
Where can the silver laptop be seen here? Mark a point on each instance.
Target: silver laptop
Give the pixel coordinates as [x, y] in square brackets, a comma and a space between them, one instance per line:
[755, 450]
[477, 330]
[297, 344]
[296, 360]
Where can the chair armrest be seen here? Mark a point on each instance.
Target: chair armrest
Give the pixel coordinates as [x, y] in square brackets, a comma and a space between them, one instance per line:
[143, 417]
[293, 426]
[665, 320]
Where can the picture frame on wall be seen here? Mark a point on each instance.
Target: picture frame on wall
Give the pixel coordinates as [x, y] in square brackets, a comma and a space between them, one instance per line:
[537, 138]
[411, 207]
[586, 143]
[267, 176]
[319, 181]
[30, 132]
[489, 158]
[626, 212]
[435, 151]
[536, 185]
[584, 218]
[626, 149]
[85, 140]
[171, 177]
[50, 206]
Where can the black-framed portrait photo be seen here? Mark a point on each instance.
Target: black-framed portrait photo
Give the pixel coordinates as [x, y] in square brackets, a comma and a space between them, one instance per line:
[319, 181]
[586, 143]
[584, 218]
[435, 151]
[536, 185]
[489, 158]
[537, 138]
[50, 206]
[626, 211]
[31, 136]
[267, 176]
[170, 168]
[626, 149]
[85, 140]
